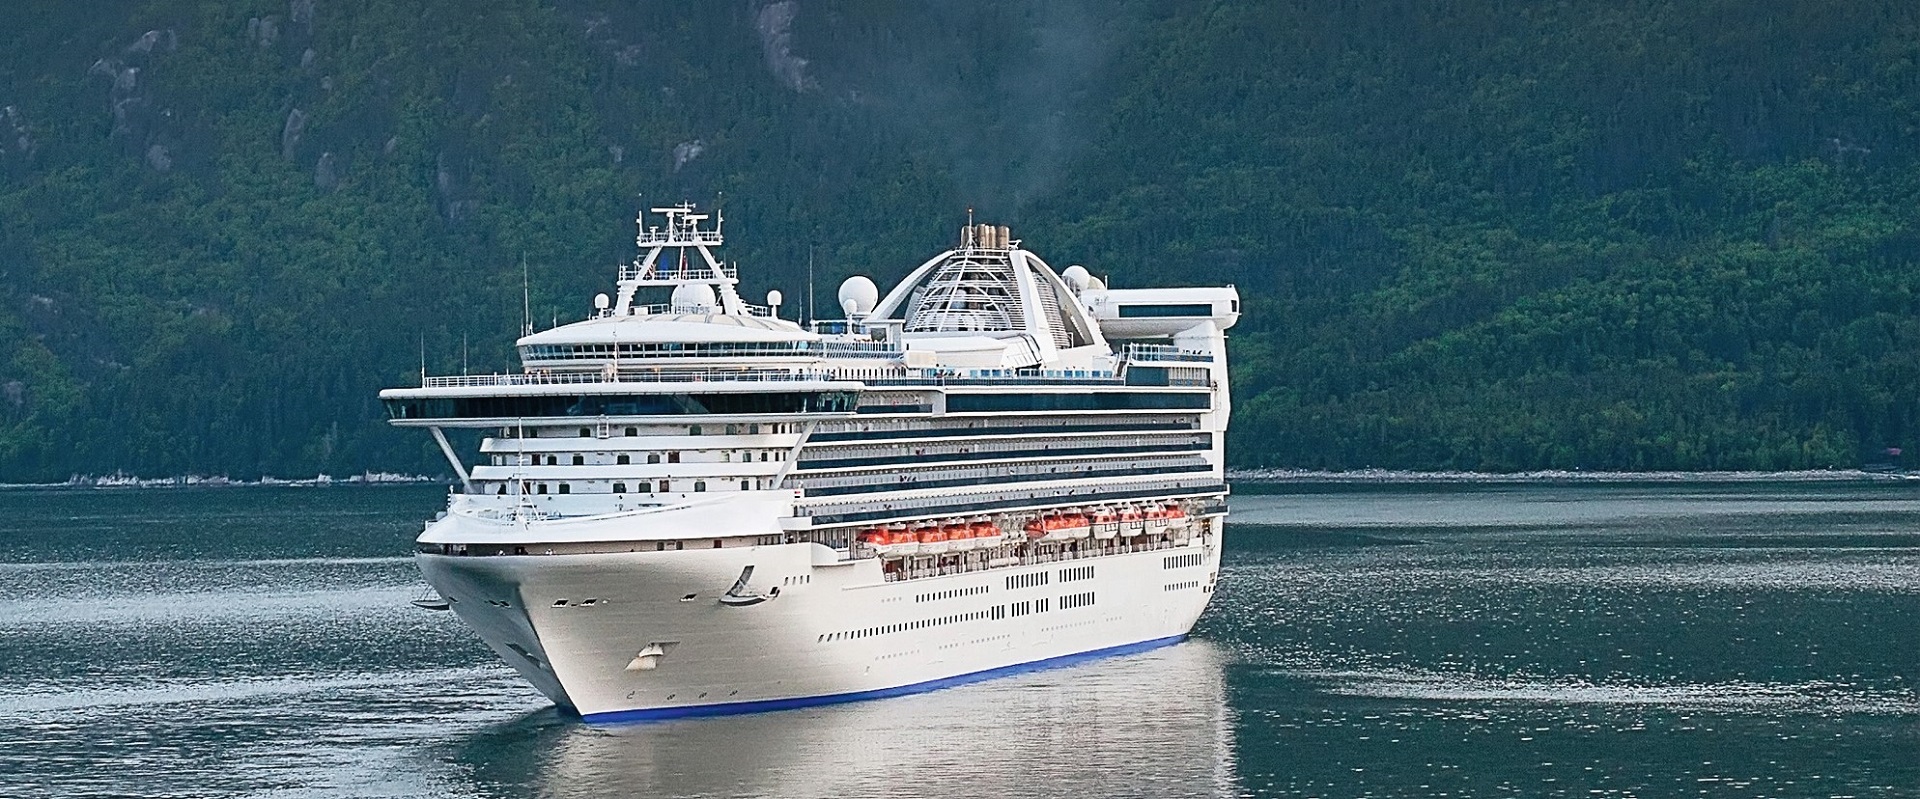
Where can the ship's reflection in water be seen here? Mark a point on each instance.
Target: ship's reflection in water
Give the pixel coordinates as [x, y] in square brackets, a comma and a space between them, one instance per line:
[1154, 724]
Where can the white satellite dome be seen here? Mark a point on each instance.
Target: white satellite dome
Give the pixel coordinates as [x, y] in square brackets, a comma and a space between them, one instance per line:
[858, 295]
[1076, 277]
[1095, 284]
[693, 296]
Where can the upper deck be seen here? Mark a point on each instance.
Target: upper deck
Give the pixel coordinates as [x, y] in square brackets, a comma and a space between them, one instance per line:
[985, 317]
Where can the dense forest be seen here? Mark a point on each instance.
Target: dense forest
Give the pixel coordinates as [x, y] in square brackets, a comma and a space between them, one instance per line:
[1471, 234]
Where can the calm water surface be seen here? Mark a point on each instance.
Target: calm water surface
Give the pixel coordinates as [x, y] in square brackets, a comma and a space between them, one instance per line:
[1380, 641]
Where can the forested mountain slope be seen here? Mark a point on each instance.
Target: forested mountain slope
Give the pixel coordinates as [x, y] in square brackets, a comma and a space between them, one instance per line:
[1483, 234]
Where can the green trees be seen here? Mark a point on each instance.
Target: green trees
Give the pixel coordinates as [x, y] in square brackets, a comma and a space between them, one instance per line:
[1469, 235]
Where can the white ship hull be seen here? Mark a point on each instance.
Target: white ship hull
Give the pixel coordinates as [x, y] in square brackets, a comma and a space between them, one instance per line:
[834, 633]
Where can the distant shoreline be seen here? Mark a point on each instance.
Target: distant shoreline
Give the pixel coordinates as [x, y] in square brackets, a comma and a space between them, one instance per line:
[1556, 476]
[113, 481]
[1247, 476]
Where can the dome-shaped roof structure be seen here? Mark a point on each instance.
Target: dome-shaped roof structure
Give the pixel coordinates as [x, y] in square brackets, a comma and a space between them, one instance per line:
[990, 287]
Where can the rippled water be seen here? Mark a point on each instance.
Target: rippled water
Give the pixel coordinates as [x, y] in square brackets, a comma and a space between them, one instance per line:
[1371, 641]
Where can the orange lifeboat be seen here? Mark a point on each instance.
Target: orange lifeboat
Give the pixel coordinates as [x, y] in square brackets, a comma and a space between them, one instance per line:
[1182, 525]
[1059, 527]
[899, 542]
[985, 532]
[933, 540]
[1106, 525]
[959, 537]
[1036, 529]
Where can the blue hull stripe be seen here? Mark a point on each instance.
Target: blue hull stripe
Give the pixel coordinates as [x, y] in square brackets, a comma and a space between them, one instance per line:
[764, 705]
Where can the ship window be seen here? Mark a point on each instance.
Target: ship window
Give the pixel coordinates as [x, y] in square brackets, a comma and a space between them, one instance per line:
[624, 460]
[763, 456]
[586, 432]
[733, 429]
[633, 431]
[579, 460]
[542, 489]
[503, 490]
[678, 545]
[743, 486]
[673, 457]
[699, 485]
[753, 429]
[1148, 311]
[564, 488]
[619, 488]
[653, 457]
[693, 430]
[716, 543]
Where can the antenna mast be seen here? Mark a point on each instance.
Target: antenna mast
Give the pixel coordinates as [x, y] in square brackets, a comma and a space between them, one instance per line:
[810, 316]
[526, 302]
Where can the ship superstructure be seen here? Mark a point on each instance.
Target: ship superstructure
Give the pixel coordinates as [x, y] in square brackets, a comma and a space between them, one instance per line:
[700, 507]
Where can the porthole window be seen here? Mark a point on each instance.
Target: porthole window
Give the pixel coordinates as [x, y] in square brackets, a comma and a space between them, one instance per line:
[653, 457]
[633, 431]
[586, 432]
[699, 485]
[624, 460]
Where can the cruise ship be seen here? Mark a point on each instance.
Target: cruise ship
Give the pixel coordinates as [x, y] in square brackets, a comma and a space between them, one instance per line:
[699, 507]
